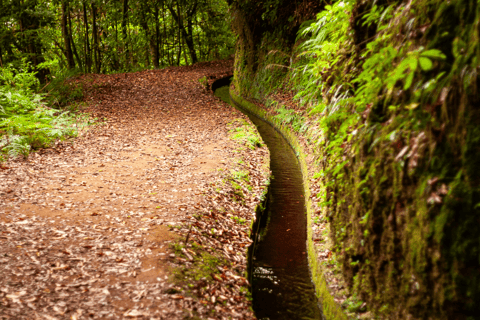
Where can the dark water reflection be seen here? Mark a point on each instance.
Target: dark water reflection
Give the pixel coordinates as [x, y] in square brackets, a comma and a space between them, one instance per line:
[280, 276]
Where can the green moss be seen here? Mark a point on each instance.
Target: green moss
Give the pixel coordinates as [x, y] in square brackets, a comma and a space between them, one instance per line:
[204, 266]
[330, 308]
[245, 133]
[398, 148]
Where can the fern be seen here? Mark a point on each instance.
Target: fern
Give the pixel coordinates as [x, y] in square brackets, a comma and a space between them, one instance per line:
[287, 116]
[25, 122]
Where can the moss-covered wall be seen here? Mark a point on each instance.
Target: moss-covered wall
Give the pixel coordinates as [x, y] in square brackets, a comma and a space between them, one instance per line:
[399, 184]
[330, 308]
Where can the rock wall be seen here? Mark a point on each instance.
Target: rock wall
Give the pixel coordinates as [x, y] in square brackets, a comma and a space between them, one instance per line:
[391, 123]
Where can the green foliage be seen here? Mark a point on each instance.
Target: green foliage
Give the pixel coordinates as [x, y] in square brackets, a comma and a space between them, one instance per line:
[102, 37]
[245, 133]
[324, 54]
[285, 115]
[241, 175]
[26, 123]
[288, 116]
[389, 91]
[204, 265]
[22, 78]
[321, 81]
[239, 220]
[353, 304]
[204, 82]
[378, 72]
[62, 91]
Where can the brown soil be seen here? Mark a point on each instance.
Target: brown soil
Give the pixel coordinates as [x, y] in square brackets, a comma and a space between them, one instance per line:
[85, 227]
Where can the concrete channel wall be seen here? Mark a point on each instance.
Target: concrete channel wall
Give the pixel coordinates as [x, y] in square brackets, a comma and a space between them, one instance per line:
[330, 308]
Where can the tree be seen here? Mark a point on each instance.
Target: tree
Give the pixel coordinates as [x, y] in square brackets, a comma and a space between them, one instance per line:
[67, 50]
[109, 36]
[185, 13]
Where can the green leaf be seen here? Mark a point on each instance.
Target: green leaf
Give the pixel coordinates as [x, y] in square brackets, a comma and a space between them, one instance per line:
[434, 54]
[412, 106]
[412, 63]
[425, 63]
[408, 81]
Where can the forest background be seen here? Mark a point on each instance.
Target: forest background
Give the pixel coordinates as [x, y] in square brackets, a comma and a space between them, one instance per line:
[45, 44]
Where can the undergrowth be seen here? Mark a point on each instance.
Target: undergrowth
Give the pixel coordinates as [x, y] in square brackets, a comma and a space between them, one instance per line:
[245, 133]
[26, 122]
[62, 92]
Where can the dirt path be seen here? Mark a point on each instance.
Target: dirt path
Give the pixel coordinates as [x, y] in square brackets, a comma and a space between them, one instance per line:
[86, 228]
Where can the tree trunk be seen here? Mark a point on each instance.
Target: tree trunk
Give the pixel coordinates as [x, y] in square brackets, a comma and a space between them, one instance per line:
[151, 38]
[156, 51]
[187, 32]
[185, 53]
[179, 21]
[189, 40]
[124, 31]
[30, 40]
[96, 48]
[165, 41]
[67, 50]
[74, 48]
[88, 51]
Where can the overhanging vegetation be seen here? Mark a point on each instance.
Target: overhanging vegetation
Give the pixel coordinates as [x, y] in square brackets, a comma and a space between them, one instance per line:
[385, 96]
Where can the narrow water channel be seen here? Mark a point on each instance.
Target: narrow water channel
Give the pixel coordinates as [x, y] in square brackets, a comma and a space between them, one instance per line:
[281, 283]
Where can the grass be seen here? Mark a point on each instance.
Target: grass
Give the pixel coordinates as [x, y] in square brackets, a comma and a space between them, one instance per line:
[245, 133]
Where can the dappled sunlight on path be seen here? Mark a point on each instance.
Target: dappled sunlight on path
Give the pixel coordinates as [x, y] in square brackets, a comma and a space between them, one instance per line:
[85, 227]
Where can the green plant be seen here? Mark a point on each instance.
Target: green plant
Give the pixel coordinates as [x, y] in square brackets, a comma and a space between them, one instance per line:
[63, 91]
[239, 220]
[26, 123]
[245, 133]
[353, 304]
[240, 175]
[204, 82]
[324, 54]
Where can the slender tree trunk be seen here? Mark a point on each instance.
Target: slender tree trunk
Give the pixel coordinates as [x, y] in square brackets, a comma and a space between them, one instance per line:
[156, 53]
[199, 44]
[132, 56]
[148, 36]
[66, 36]
[147, 58]
[88, 51]
[161, 43]
[124, 31]
[31, 43]
[179, 52]
[179, 21]
[189, 40]
[96, 47]
[116, 58]
[165, 36]
[184, 52]
[186, 32]
[74, 48]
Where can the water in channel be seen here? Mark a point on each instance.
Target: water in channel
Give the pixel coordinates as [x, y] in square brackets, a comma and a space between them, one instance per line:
[281, 283]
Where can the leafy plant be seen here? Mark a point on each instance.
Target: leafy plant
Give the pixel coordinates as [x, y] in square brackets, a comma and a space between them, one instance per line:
[289, 116]
[324, 53]
[245, 132]
[26, 123]
[204, 82]
[62, 91]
